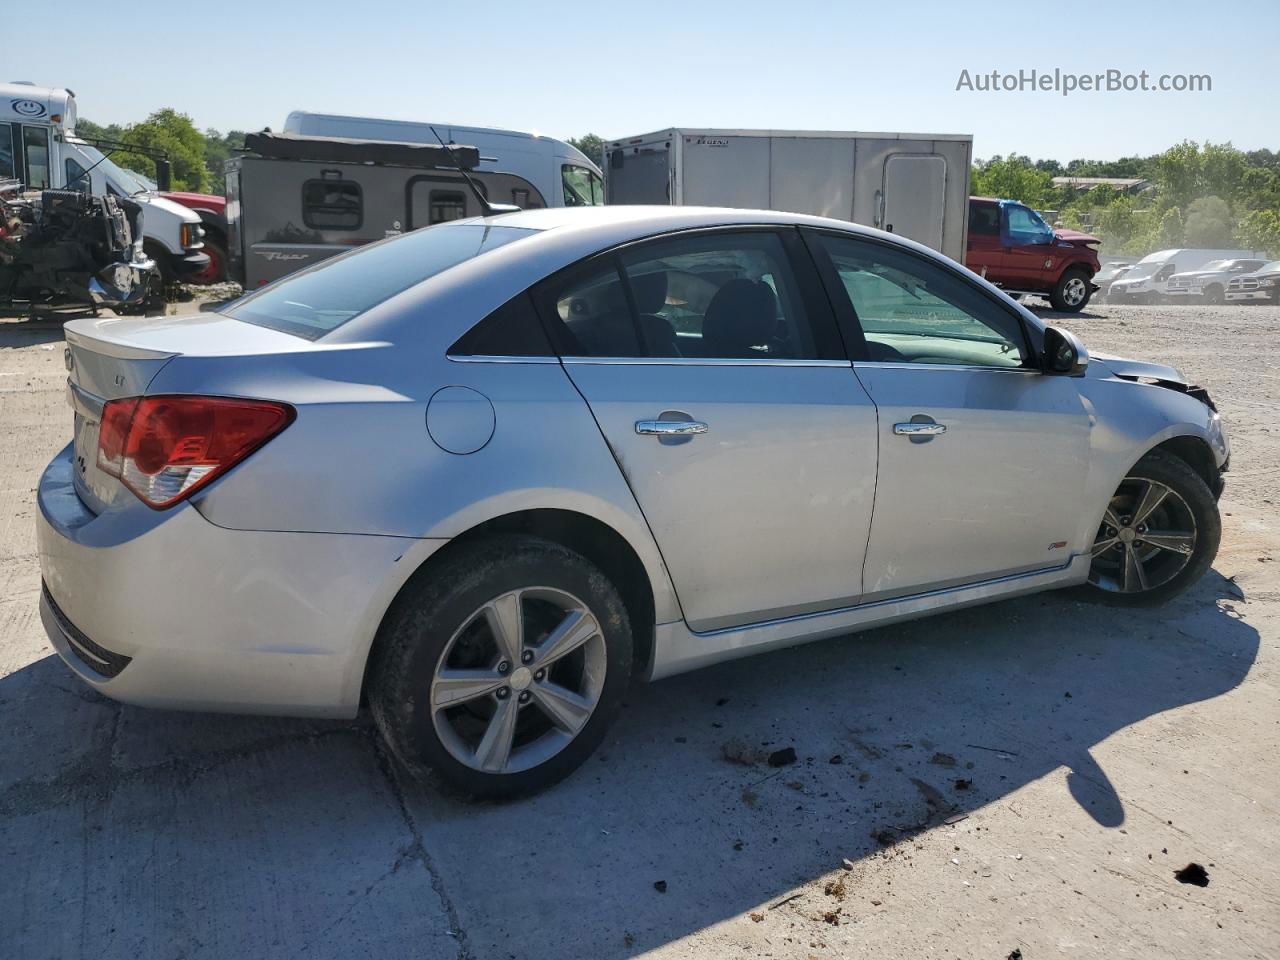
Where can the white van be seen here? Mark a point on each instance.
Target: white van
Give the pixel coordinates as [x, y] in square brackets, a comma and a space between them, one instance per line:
[561, 173]
[1148, 279]
[38, 147]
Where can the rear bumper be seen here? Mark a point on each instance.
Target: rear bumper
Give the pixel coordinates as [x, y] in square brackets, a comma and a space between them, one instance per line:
[165, 609]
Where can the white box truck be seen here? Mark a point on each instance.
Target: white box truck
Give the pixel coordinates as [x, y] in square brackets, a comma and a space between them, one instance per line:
[912, 184]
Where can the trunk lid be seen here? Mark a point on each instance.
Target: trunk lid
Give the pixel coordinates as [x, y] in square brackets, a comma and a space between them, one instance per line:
[108, 358]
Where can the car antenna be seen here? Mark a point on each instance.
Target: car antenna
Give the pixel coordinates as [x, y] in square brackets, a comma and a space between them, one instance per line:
[490, 209]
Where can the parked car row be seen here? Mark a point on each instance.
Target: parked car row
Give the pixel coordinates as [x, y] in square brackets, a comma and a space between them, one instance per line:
[1184, 275]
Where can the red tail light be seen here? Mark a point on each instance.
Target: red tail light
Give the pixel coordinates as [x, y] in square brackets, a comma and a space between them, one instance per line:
[166, 447]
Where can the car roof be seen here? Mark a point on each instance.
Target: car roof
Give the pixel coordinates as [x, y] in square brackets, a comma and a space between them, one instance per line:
[649, 219]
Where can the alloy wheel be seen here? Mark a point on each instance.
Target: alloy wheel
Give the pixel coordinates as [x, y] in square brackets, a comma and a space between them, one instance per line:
[1147, 536]
[518, 680]
[1073, 291]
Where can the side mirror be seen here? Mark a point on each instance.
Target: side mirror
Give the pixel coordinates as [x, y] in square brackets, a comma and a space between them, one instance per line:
[1064, 353]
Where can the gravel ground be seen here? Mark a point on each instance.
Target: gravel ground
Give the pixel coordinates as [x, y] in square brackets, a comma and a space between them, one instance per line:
[1026, 776]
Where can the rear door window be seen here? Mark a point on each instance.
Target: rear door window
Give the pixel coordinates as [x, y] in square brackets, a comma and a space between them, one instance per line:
[721, 296]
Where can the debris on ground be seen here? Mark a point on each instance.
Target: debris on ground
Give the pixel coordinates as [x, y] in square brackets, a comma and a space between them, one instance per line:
[1014, 954]
[835, 888]
[628, 940]
[963, 784]
[786, 900]
[832, 917]
[749, 796]
[738, 751]
[660, 886]
[885, 836]
[782, 758]
[943, 760]
[1194, 874]
[757, 917]
[846, 863]
[836, 760]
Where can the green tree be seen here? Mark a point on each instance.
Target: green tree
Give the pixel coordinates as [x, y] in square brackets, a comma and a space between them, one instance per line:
[174, 134]
[1209, 223]
[218, 149]
[592, 145]
[1260, 230]
[1011, 178]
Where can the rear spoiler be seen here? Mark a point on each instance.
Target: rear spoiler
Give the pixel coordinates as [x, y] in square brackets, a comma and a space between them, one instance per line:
[292, 146]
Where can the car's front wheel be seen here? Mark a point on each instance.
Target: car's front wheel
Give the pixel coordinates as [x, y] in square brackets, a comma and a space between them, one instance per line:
[1071, 293]
[1158, 536]
[499, 671]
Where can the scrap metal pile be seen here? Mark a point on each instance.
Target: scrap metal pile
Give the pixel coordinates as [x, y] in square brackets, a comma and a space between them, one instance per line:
[63, 246]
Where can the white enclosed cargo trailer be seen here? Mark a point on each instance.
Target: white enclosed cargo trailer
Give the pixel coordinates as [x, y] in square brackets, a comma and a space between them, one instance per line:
[912, 184]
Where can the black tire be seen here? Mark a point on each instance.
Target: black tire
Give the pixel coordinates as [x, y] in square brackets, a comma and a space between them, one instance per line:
[1214, 293]
[1072, 291]
[434, 606]
[1175, 473]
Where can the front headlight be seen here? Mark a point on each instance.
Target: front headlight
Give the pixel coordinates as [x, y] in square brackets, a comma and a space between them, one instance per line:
[1267, 283]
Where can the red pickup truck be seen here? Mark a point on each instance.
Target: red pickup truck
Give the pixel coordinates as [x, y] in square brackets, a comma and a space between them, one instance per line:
[1012, 246]
[213, 217]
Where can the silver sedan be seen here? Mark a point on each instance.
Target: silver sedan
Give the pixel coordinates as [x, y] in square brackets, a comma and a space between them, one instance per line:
[484, 474]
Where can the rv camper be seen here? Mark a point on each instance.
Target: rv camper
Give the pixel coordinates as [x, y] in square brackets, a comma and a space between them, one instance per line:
[912, 184]
[293, 200]
[558, 172]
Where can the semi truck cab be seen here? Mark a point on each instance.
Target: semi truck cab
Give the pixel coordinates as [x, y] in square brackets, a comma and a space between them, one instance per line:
[38, 147]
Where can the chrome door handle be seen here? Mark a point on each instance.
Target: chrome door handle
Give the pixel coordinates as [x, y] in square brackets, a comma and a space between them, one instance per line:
[670, 428]
[919, 429]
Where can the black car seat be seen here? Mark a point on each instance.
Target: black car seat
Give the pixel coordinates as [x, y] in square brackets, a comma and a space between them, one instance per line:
[650, 291]
[741, 318]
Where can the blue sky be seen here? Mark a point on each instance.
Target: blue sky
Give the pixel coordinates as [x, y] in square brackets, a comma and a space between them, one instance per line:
[618, 68]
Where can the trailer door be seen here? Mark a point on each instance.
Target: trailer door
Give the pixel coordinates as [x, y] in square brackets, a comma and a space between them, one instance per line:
[913, 197]
[639, 174]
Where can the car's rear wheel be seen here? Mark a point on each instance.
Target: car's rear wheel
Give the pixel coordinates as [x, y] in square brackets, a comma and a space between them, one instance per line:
[499, 673]
[1158, 536]
[1071, 293]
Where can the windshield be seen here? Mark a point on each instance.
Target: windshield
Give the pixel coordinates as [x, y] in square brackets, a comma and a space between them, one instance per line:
[1145, 269]
[123, 179]
[582, 188]
[1213, 265]
[319, 300]
[1272, 267]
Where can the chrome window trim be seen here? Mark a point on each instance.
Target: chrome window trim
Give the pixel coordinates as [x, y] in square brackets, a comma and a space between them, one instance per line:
[702, 362]
[493, 358]
[908, 365]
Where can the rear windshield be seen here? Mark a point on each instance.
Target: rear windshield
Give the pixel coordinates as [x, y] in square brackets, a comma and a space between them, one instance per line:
[318, 301]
